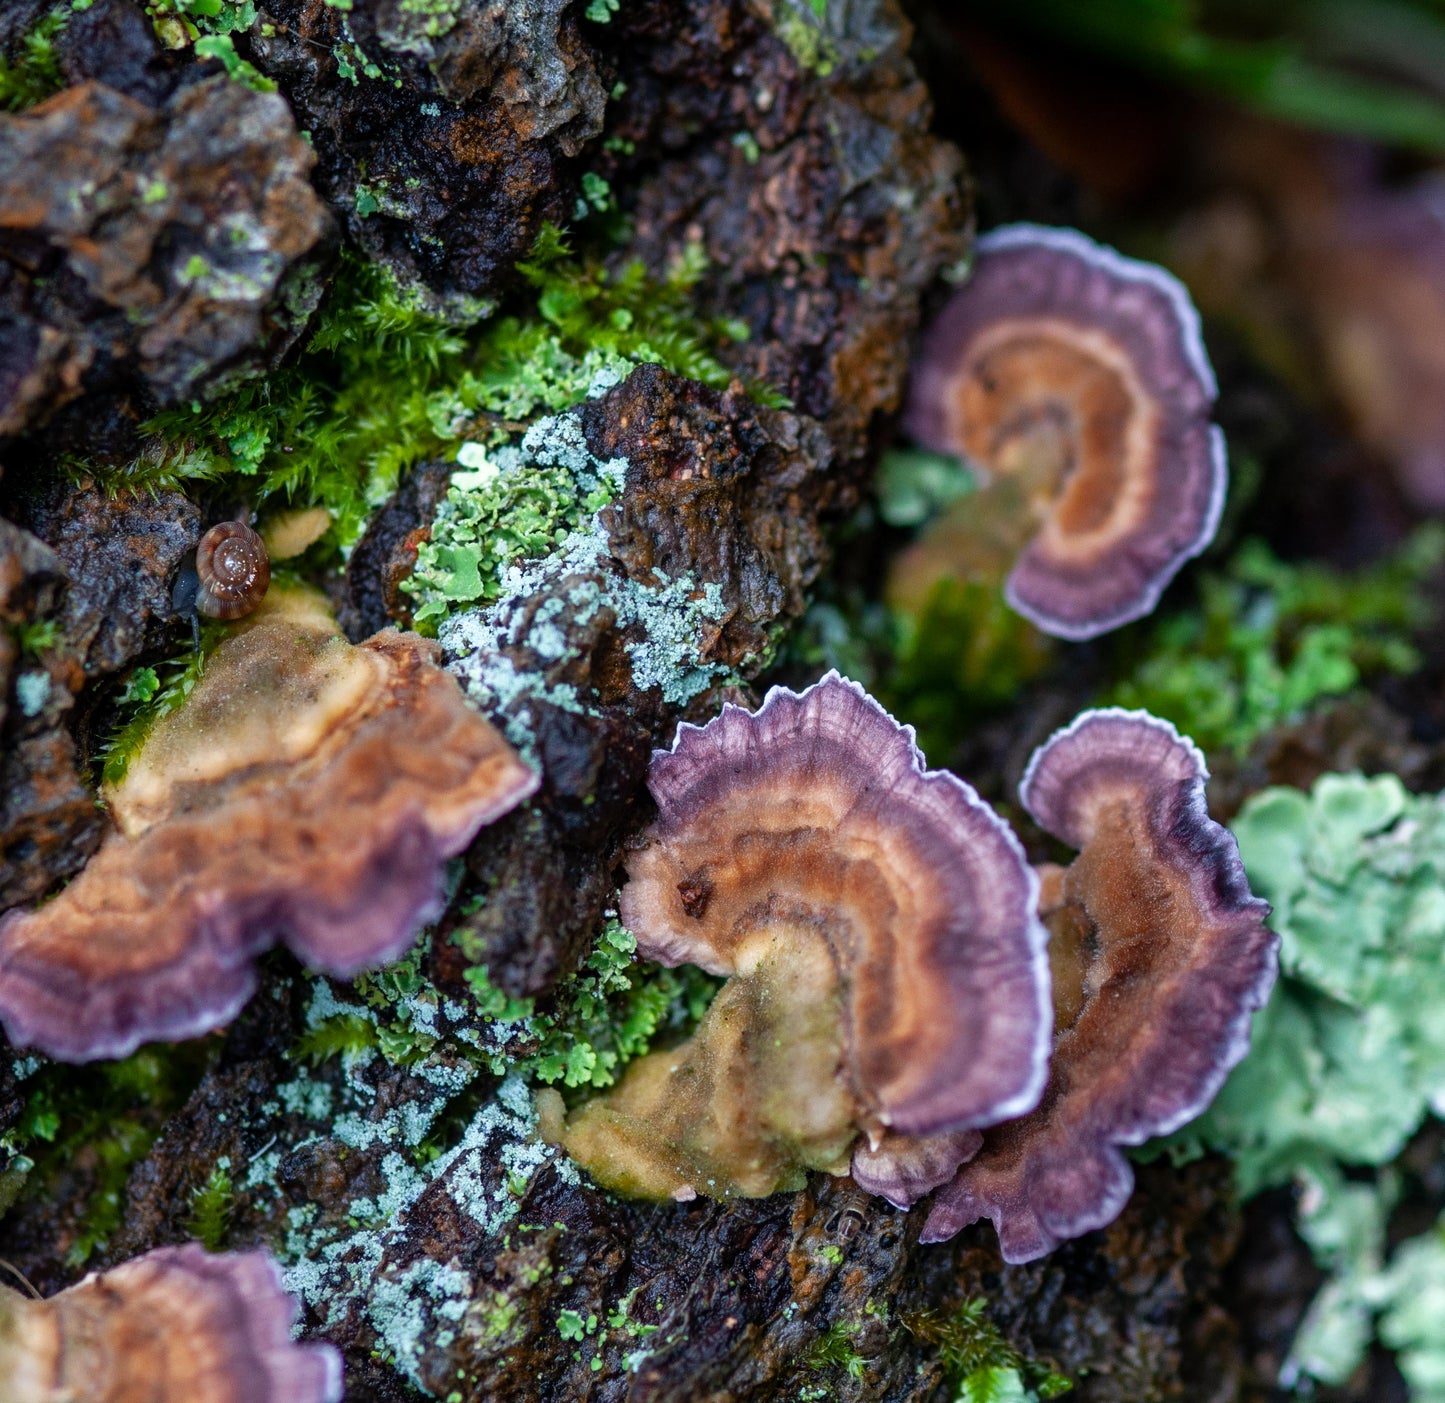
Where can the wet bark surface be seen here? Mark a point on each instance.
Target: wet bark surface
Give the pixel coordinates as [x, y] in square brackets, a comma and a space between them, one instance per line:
[827, 210]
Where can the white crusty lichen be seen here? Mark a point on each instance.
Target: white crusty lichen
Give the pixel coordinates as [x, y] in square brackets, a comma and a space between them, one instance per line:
[536, 489]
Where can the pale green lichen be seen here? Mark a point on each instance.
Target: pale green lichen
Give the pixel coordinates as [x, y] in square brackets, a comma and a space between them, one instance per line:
[1348, 1057]
[1349, 1054]
[487, 547]
[508, 504]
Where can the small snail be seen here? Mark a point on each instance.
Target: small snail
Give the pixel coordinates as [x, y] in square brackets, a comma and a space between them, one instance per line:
[230, 575]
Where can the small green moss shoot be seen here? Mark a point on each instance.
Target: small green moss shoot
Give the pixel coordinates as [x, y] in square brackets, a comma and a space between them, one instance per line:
[835, 1349]
[978, 1361]
[386, 381]
[1269, 639]
[36, 638]
[211, 1207]
[97, 1122]
[803, 26]
[33, 73]
[150, 693]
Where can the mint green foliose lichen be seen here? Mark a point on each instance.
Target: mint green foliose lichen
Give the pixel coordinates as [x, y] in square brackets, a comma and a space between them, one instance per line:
[1347, 1060]
[1348, 1056]
[512, 503]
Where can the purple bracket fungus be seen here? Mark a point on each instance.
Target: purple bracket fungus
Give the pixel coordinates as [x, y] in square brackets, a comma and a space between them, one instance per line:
[174, 1326]
[1076, 380]
[1160, 955]
[307, 791]
[886, 965]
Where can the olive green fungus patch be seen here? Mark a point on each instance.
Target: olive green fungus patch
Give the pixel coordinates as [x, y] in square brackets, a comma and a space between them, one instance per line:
[748, 1104]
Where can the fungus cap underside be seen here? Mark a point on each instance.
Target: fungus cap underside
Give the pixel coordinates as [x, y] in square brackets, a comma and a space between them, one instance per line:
[1173, 957]
[307, 791]
[1083, 373]
[886, 965]
[176, 1325]
[818, 810]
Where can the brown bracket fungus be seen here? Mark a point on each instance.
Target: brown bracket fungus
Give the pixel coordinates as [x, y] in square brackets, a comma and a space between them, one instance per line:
[886, 965]
[308, 791]
[1076, 380]
[1160, 955]
[174, 1326]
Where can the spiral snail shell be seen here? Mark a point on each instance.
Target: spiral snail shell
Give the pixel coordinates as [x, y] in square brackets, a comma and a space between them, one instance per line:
[233, 570]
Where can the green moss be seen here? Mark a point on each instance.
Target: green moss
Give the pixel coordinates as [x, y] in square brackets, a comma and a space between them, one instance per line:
[979, 1362]
[346, 1036]
[33, 639]
[835, 1349]
[1269, 639]
[33, 74]
[803, 26]
[150, 693]
[98, 1121]
[966, 654]
[388, 378]
[211, 1208]
[600, 1019]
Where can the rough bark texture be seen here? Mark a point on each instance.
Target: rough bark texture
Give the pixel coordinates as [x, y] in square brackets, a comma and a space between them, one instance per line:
[153, 249]
[824, 205]
[445, 136]
[826, 211]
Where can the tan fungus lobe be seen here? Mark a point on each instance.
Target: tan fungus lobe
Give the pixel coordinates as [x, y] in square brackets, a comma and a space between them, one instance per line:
[1160, 956]
[307, 791]
[876, 921]
[174, 1326]
[1076, 381]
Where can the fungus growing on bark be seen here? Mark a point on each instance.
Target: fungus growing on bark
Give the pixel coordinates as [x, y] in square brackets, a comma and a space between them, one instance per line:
[307, 791]
[174, 1326]
[1160, 955]
[1076, 381]
[877, 921]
